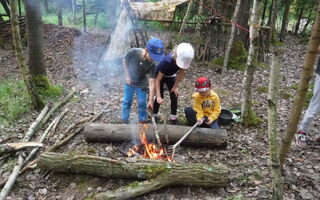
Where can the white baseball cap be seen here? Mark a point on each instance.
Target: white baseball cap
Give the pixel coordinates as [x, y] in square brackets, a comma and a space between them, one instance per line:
[185, 55]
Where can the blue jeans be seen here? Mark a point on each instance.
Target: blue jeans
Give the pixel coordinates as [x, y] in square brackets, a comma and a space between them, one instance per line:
[127, 102]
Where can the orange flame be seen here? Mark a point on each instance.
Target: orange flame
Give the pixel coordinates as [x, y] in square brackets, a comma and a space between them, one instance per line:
[146, 149]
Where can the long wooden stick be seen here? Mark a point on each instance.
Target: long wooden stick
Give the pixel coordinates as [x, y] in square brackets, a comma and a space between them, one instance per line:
[184, 137]
[156, 131]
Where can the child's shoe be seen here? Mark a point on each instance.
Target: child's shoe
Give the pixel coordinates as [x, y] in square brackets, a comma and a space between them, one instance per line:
[302, 139]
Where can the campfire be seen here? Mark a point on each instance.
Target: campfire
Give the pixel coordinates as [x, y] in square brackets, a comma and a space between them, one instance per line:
[148, 150]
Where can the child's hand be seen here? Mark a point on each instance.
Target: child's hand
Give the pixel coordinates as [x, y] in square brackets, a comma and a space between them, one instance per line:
[128, 79]
[175, 91]
[200, 121]
[160, 100]
[209, 122]
[150, 104]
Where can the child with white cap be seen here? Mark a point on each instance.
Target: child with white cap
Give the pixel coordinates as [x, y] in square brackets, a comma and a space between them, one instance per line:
[170, 71]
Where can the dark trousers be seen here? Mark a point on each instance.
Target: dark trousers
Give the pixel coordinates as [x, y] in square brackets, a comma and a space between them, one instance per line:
[192, 119]
[169, 81]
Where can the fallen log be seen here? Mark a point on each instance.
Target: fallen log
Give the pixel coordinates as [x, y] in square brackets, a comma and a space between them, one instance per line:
[12, 147]
[126, 132]
[157, 173]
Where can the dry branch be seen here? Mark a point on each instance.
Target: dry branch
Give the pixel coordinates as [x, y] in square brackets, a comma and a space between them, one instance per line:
[158, 173]
[12, 147]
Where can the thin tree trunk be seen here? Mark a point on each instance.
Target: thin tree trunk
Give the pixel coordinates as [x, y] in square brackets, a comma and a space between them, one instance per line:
[270, 12]
[84, 16]
[198, 31]
[60, 20]
[284, 23]
[74, 10]
[185, 18]
[277, 189]
[305, 78]
[32, 90]
[273, 21]
[46, 6]
[232, 34]
[19, 5]
[296, 30]
[5, 7]
[247, 111]
[35, 38]
[242, 20]
[265, 4]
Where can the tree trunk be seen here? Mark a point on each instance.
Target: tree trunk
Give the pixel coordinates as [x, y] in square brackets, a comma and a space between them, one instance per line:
[247, 111]
[285, 20]
[60, 20]
[32, 90]
[185, 18]
[277, 189]
[296, 30]
[242, 20]
[123, 132]
[84, 16]
[46, 6]
[158, 173]
[35, 39]
[74, 13]
[265, 4]
[273, 20]
[270, 12]
[13, 147]
[198, 30]
[231, 39]
[305, 78]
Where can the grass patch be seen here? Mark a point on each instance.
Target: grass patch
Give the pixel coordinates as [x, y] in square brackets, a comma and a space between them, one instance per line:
[262, 89]
[14, 100]
[251, 120]
[47, 91]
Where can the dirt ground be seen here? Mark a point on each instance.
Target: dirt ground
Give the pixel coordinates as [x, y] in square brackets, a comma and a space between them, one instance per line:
[71, 62]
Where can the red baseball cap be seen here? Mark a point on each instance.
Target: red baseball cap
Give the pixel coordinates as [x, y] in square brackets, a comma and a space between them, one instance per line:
[202, 84]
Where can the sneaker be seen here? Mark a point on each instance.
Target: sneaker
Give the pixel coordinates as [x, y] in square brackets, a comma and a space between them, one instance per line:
[302, 139]
[174, 122]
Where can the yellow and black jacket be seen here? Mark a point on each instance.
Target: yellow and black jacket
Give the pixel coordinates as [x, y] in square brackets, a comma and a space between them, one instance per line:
[207, 106]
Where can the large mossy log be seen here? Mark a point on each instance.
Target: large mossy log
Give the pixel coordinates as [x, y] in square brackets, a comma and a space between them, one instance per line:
[126, 132]
[156, 173]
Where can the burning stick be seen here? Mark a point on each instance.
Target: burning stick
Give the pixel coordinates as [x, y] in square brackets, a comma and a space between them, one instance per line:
[156, 132]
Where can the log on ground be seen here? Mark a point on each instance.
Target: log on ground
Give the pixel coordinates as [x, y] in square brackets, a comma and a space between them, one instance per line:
[194, 174]
[128, 132]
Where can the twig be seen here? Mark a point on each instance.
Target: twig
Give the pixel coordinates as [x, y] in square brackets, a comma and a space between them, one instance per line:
[53, 130]
[156, 132]
[57, 105]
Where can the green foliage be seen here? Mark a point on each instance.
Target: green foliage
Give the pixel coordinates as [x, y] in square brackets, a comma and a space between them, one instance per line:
[237, 197]
[251, 120]
[262, 89]
[47, 91]
[14, 100]
[237, 58]
[155, 25]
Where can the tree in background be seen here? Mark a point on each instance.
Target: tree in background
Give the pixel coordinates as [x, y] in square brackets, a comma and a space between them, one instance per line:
[308, 68]
[32, 90]
[248, 115]
[35, 46]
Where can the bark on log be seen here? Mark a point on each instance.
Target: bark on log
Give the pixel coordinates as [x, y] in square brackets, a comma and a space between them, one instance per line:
[123, 132]
[12, 147]
[159, 173]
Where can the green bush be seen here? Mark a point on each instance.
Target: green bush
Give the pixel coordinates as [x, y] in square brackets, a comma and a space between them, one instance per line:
[14, 100]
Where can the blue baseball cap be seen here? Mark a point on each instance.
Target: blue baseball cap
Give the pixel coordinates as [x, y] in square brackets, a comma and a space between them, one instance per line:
[155, 49]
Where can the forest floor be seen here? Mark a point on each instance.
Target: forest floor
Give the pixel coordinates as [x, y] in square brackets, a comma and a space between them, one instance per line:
[70, 59]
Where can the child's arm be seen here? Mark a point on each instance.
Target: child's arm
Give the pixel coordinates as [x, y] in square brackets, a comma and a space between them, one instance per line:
[180, 76]
[198, 108]
[151, 93]
[158, 79]
[216, 109]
